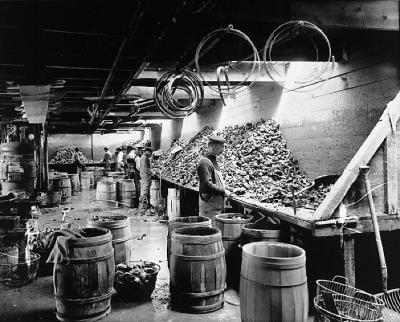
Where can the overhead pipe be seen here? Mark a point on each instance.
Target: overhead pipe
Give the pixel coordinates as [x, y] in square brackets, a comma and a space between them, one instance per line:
[135, 73]
[137, 17]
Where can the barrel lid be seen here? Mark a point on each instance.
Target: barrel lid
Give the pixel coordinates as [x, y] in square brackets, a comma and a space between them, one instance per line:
[197, 234]
[93, 236]
[267, 252]
[234, 218]
[191, 219]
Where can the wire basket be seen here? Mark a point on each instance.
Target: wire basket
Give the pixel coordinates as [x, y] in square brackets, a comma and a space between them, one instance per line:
[15, 271]
[340, 285]
[135, 280]
[391, 311]
[345, 308]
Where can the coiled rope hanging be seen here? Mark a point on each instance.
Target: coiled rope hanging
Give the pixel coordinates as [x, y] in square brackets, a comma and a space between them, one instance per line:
[176, 82]
[290, 29]
[224, 87]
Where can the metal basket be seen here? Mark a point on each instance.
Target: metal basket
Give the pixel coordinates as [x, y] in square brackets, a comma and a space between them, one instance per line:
[340, 285]
[345, 308]
[19, 271]
[391, 311]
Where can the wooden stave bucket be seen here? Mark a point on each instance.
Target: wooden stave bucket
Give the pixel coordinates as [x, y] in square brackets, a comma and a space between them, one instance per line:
[97, 174]
[85, 180]
[75, 184]
[106, 191]
[231, 230]
[206, 253]
[155, 194]
[63, 185]
[53, 198]
[259, 231]
[121, 235]
[189, 221]
[273, 288]
[126, 189]
[173, 203]
[91, 177]
[75, 300]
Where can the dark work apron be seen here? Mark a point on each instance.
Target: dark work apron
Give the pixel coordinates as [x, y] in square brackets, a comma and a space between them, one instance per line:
[210, 206]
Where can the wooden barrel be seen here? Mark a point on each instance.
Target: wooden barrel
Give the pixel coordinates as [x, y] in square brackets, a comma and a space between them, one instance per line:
[107, 178]
[52, 198]
[75, 185]
[121, 234]
[91, 179]
[173, 203]
[273, 283]
[155, 194]
[197, 269]
[116, 175]
[83, 283]
[260, 231]
[63, 185]
[85, 180]
[63, 175]
[97, 175]
[231, 228]
[126, 192]
[106, 191]
[184, 222]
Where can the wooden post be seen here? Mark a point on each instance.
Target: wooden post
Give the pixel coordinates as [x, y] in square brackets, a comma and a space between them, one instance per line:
[349, 259]
[39, 143]
[91, 146]
[390, 169]
[45, 158]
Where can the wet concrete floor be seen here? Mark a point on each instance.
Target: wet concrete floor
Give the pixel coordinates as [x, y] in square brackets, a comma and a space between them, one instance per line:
[35, 302]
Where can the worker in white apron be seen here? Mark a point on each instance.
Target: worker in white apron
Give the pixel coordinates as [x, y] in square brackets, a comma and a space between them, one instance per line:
[212, 188]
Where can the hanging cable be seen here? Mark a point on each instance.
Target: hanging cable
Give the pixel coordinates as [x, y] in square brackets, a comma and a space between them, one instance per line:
[176, 82]
[292, 29]
[223, 86]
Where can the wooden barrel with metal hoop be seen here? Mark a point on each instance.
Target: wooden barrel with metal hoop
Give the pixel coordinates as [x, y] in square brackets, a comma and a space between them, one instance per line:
[197, 269]
[83, 282]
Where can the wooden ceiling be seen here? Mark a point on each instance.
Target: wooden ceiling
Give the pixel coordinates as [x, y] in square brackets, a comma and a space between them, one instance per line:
[93, 52]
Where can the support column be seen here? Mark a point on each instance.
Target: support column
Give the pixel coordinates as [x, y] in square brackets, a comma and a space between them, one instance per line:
[45, 158]
[349, 262]
[39, 161]
[91, 146]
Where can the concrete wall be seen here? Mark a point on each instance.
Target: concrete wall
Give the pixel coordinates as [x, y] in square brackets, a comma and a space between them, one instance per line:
[110, 140]
[83, 141]
[325, 125]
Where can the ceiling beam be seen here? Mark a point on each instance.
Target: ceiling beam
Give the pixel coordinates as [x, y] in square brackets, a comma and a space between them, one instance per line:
[235, 75]
[133, 26]
[144, 63]
[82, 33]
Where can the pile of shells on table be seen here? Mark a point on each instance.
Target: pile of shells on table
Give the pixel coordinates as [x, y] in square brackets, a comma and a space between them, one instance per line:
[65, 154]
[256, 164]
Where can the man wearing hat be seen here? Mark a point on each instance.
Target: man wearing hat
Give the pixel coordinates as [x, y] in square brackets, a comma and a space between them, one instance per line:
[212, 188]
[145, 178]
[136, 171]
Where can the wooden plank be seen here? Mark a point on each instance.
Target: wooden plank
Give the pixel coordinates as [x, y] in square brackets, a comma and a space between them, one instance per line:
[377, 14]
[364, 225]
[282, 213]
[391, 174]
[362, 157]
[349, 261]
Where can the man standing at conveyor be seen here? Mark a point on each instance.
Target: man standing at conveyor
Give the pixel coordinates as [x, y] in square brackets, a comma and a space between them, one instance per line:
[212, 188]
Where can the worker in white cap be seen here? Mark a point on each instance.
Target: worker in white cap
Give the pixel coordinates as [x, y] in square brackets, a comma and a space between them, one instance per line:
[212, 187]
